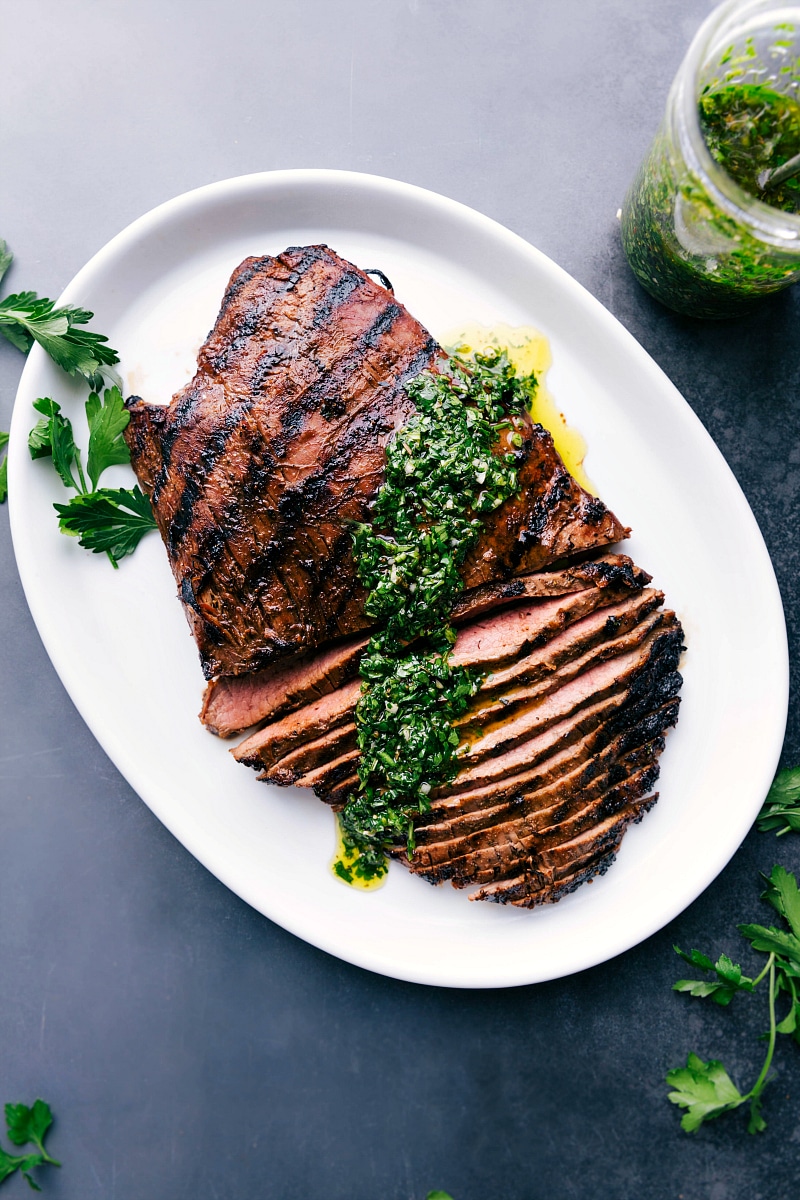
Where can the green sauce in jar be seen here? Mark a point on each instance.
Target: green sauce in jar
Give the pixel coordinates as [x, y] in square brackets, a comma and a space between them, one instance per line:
[701, 227]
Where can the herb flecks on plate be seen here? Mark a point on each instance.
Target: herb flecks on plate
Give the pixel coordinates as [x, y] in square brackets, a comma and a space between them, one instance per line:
[443, 473]
[109, 521]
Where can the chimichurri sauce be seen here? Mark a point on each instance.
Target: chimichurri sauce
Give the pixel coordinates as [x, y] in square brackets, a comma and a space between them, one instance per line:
[751, 129]
[456, 459]
[684, 248]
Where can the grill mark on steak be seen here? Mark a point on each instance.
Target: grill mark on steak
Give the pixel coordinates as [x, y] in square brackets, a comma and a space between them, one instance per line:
[218, 359]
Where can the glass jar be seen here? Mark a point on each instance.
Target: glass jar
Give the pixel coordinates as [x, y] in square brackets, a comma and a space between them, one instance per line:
[696, 240]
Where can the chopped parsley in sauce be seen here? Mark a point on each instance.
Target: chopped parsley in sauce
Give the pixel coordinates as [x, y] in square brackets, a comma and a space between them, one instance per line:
[750, 129]
[455, 460]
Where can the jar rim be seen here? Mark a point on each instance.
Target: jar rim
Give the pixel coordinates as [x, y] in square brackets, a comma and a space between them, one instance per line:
[772, 225]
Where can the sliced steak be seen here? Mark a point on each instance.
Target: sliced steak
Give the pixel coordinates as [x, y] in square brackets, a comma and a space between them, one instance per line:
[602, 680]
[539, 813]
[330, 774]
[597, 629]
[503, 637]
[234, 703]
[605, 743]
[559, 779]
[257, 467]
[512, 699]
[507, 848]
[265, 748]
[610, 569]
[319, 752]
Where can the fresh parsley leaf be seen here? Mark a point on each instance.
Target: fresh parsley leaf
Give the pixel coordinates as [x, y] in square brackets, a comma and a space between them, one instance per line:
[781, 809]
[25, 1125]
[789, 1024]
[52, 436]
[784, 895]
[438, 1196]
[773, 941]
[109, 521]
[26, 317]
[107, 419]
[729, 981]
[29, 1124]
[704, 1089]
[6, 258]
[9, 1163]
[3, 468]
[695, 958]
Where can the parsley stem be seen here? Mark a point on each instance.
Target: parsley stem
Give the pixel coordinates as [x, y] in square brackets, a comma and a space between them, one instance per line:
[759, 1083]
[761, 974]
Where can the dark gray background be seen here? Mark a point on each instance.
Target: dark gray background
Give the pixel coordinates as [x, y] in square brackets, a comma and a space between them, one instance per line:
[189, 1047]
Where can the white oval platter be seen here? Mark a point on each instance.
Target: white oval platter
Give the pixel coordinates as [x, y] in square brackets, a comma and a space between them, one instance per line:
[119, 641]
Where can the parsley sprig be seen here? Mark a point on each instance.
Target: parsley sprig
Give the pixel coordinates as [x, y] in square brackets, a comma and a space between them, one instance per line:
[26, 318]
[444, 471]
[27, 1126]
[705, 1090]
[109, 521]
[781, 810]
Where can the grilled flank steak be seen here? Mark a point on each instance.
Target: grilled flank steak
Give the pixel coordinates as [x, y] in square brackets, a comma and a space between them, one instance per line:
[257, 469]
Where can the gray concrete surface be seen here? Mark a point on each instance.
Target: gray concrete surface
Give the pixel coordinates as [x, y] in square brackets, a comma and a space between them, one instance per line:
[189, 1047]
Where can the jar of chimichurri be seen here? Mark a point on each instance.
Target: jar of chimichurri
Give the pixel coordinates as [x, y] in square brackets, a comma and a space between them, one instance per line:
[707, 226]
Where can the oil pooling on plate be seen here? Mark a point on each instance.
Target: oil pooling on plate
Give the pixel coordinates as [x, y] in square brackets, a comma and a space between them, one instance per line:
[529, 352]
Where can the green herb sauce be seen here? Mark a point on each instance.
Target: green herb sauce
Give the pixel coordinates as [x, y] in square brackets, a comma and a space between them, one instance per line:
[683, 248]
[750, 129]
[456, 459]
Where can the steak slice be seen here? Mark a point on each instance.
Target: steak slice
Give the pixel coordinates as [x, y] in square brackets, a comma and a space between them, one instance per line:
[256, 468]
[558, 777]
[265, 748]
[234, 703]
[608, 740]
[610, 569]
[318, 752]
[586, 857]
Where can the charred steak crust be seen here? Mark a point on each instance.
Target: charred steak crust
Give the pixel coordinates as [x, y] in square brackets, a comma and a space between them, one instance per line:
[257, 466]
